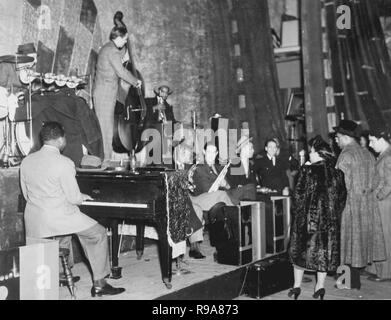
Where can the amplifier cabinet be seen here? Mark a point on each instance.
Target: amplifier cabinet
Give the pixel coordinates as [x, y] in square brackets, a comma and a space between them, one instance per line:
[232, 236]
[270, 226]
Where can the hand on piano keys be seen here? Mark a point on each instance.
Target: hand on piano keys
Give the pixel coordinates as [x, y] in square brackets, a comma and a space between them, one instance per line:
[86, 197]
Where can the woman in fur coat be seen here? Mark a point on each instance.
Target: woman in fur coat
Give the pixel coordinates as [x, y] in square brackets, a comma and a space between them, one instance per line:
[318, 202]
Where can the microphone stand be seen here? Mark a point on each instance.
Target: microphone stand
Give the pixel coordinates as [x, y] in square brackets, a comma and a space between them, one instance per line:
[30, 116]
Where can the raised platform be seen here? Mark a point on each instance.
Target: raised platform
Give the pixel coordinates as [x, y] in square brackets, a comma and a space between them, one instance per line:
[142, 279]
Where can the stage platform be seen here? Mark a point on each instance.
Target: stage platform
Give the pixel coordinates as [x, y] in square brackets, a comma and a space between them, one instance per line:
[207, 280]
[142, 278]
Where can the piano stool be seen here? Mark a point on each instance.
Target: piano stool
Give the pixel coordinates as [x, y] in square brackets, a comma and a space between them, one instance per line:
[64, 254]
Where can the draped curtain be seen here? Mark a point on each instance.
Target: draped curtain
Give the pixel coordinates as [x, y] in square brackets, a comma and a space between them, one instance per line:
[361, 66]
[264, 112]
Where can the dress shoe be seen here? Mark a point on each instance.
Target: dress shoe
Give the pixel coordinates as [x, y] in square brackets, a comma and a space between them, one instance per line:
[355, 287]
[319, 294]
[295, 292]
[195, 254]
[375, 278]
[105, 290]
[64, 282]
[366, 273]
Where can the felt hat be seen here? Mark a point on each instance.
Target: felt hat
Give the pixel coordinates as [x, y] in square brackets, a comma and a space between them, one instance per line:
[27, 48]
[90, 163]
[348, 128]
[161, 85]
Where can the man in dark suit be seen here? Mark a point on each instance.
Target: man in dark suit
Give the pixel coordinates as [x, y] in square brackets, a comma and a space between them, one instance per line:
[158, 109]
[271, 168]
[203, 177]
[160, 117]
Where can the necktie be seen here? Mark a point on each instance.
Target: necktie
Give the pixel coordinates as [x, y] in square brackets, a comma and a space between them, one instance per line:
[214, 170]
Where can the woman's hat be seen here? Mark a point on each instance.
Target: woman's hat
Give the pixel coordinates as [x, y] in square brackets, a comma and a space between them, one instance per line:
[348, 128]
[319, 144]
[27, 48]
[163, 84]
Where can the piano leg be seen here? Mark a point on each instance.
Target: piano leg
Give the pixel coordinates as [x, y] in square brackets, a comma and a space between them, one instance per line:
[140, 240]
[165, 253]
[115, 271]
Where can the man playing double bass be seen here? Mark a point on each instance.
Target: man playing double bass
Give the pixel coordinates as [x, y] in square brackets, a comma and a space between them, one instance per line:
[109, 71]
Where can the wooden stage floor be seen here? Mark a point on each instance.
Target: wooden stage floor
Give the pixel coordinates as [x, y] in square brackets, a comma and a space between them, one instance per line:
[142, 281]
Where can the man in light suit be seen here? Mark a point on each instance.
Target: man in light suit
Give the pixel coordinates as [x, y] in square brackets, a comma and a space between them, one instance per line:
[109, 70]
[50, 188]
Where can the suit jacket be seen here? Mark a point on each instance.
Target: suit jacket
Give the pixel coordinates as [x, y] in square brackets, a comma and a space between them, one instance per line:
[237, 177]
[153, 116]
[80, 122]
[203, 178]
[273, 177]
[109, 68]
[50, 188]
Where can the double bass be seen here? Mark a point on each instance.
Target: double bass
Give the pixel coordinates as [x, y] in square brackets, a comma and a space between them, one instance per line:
[130, 109]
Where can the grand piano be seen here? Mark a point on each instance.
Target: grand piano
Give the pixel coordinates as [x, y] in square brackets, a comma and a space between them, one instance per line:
[137, 198]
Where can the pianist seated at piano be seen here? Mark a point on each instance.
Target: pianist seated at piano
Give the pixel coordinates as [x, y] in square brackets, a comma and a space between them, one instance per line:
[210, 188]
[52, 193]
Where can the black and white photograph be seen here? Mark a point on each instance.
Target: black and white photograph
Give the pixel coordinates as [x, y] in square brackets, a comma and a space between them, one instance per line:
[202, 155]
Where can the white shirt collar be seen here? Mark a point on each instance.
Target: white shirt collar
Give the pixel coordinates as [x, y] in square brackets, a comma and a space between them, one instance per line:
[269, 156]
[50, 148]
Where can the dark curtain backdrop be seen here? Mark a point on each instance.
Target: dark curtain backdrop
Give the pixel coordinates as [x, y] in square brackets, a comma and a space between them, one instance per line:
[263, 111]
[360, 65]
[188, 43]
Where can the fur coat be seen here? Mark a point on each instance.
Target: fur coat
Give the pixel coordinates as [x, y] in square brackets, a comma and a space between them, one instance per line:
[318, 202]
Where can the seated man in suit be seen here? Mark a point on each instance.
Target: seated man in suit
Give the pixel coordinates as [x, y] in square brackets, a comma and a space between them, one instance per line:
[271, 168]
[203, 176]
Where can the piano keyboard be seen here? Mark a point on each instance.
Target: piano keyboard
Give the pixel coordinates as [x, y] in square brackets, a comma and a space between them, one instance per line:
[116, 205]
